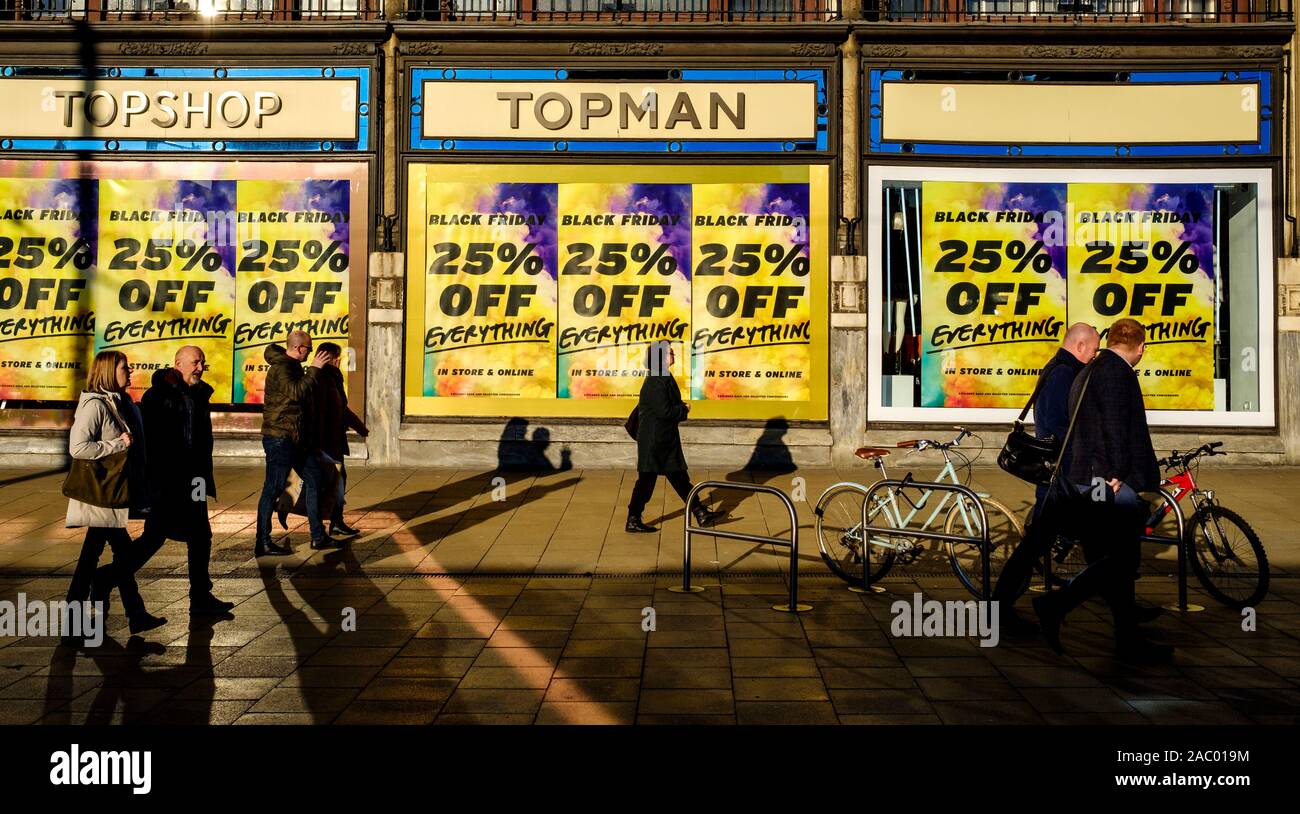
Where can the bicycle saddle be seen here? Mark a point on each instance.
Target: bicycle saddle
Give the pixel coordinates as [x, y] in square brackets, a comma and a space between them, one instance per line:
[867, 453]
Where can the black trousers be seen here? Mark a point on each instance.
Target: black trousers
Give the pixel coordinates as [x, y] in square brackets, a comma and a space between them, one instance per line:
[645, 486]
[122, 569]
[336, 517]
[1111, 537]
[156, 530]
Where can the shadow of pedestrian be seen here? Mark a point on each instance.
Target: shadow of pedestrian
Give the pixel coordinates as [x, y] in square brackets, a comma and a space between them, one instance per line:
[133, 691]
[769, 459]
[519, 459]
[320, 642]
[517, 453]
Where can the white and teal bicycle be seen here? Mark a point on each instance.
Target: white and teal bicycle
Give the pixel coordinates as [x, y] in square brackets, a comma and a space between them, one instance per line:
[840, 532]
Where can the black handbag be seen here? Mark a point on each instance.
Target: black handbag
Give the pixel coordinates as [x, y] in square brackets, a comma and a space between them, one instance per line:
[101, 482]
[633, 422]
[1025, 455]
[1061, 492]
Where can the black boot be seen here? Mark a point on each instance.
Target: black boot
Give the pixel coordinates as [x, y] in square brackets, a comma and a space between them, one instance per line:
[704, 517]
[268, 548]
[340, 529]
[143, 621]
[209, 605]
[635, 526]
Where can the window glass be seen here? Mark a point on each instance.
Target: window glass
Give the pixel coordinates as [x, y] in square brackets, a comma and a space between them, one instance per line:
[977, 279]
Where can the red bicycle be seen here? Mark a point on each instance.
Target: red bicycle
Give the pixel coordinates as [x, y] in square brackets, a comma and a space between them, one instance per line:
[1222, 549]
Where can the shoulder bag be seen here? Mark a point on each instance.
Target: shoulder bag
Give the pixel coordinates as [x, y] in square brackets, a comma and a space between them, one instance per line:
[1025, 455]
[103, 481]
[1060, 490]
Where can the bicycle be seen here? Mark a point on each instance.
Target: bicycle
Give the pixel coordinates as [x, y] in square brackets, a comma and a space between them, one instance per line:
[1221, 548]
[839, 521]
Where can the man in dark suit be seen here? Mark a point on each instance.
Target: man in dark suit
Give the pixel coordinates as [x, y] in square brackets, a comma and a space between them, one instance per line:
[1111, 460]
[1051, 420]
[178, 433]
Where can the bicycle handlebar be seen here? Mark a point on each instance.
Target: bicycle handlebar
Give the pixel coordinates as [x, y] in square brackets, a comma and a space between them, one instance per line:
[925, 443]
[1175, 460]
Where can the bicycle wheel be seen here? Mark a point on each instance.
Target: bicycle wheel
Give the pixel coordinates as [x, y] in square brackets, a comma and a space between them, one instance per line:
[1005, 533]
[1227, 557]
[839, 535]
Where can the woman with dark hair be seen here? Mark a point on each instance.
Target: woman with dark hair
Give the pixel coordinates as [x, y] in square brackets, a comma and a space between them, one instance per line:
[658, 444]
[107, 422]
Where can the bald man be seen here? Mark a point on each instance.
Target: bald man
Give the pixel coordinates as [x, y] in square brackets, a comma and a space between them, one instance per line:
[287, 393]
[178, 431]
[1051, 420]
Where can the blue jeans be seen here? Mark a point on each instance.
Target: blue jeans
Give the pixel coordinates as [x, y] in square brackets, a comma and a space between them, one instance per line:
[282, 455]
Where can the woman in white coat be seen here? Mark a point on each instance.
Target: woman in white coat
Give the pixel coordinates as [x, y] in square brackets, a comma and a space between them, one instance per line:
[107, 422]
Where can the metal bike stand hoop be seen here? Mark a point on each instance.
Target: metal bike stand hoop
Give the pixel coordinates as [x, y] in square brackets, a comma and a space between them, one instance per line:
[793, 606]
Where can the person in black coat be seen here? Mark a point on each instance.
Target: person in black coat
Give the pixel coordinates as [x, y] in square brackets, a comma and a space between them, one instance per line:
[178, 429]
[325, 430]
[1111, 460]
[658, 444]
[1051, 420]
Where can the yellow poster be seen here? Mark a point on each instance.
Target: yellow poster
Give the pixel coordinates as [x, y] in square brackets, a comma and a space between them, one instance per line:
[993, 290]
[47, 256]
[164, 279]
[292, 260]
[535, 290]
[489, 308]
[1146, 251]
[753, 327]
[625, 282]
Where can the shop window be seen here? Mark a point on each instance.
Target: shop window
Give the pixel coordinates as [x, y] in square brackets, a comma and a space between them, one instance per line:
[1193, 9]
[44, 9]
[976, 275]
[1049, 7]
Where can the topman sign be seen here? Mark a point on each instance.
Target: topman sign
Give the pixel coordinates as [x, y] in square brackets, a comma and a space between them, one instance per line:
[180, 108]
[728, 111]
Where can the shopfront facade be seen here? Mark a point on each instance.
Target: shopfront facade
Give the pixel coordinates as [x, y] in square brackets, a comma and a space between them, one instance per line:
[852, 227]
[160, 194]
[562, 212]
[1012, 188]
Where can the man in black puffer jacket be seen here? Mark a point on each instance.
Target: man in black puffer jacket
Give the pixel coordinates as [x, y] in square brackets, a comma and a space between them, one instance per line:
[286, 395]
[178, 432]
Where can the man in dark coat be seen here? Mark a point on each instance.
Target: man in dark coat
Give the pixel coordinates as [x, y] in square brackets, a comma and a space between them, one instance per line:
[178, 433]
[658, 444]
[327, 425]
[1051, 419]
[286, 393]
[1111, 461]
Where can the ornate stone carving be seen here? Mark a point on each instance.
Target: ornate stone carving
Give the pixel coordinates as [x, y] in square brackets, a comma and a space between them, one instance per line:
[162, 49]
[886, 50]
[1256, 51]
[422, 49]
[616, 49]
[813, 49]
[353, 49]
[1071, 52]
